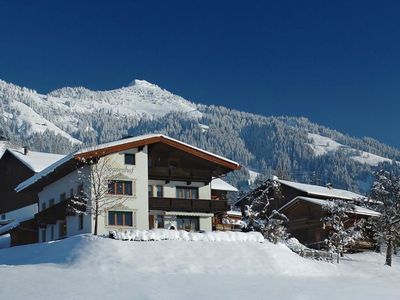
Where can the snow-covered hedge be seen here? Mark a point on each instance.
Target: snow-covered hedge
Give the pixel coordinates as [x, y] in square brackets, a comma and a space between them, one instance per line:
[164, 234]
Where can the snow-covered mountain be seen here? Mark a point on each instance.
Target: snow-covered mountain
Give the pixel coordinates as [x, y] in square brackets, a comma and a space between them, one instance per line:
[60, 111]
[322, 145]
[293, 148]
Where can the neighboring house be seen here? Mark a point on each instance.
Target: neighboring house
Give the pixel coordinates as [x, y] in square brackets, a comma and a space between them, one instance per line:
[302, 204]
[290, 190]
[305, 214]
[165, 184]
[17, 210]
[227, 220]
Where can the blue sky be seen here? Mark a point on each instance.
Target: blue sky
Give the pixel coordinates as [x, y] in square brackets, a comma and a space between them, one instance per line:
[335, 62]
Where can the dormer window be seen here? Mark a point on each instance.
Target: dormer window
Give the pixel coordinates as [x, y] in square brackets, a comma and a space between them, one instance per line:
[129, 159]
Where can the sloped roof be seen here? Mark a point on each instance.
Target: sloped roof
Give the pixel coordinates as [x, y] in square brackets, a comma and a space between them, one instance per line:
[220, 185]
[133, 142]
[317, 190]
[321, 202]
[124, 144]
[36, 161]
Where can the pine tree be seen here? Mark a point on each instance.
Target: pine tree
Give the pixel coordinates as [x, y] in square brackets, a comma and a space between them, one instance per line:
[386, 195]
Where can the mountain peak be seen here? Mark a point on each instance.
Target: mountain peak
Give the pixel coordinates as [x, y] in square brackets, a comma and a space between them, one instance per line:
[143, 83]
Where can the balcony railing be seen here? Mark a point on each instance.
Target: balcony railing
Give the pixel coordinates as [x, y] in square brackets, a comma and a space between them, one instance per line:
[188, 205]
[59, 211]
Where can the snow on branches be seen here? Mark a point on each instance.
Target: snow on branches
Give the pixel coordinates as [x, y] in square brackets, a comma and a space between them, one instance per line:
[386, 196]
[258, 217]
[342, 232]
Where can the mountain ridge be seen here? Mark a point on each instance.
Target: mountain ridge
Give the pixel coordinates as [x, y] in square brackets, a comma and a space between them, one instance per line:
[292, 147]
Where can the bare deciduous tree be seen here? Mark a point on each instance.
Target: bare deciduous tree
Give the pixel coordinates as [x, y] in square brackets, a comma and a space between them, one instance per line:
[98, 173]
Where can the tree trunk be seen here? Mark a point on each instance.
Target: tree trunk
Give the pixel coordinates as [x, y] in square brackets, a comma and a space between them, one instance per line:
[96, 217]
[389, 251]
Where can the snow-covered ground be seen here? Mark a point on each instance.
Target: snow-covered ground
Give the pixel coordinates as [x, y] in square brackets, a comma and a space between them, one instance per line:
[85, 267]
[252, 176]
[323, 145]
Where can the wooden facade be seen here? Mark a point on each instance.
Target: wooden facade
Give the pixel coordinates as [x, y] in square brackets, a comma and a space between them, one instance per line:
[305, 217]
[13, 172]
[305, 224]
[188, 205]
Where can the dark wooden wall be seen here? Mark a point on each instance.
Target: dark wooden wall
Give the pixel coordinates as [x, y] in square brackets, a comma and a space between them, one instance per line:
[12, 173]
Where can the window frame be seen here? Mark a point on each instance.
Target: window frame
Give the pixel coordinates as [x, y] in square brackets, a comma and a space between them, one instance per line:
[122, 214]
[114, 190]
[186, 189]
[161, 191]
[80, 222]
[132, 156]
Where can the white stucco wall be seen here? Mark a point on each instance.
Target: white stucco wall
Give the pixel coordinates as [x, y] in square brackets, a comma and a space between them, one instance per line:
[138, 202]
[64, 185]
[205, 223]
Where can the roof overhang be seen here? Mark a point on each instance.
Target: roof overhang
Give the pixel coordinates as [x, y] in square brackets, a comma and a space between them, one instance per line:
[320, 202]
[113, 148]
[72, 161]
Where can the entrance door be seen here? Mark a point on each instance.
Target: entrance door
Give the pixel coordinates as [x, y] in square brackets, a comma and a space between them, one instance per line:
[62, 230]
[151, 221]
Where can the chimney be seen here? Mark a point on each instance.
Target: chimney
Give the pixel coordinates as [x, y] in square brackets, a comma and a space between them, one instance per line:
[25, 150]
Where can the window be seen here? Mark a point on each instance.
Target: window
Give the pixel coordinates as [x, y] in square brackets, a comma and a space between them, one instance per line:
[187, 192]
[52, 233]
[51, 202]
[117, 187]
[150, 191]
[43, 235]
[188, 223]
[80, 221]
[129, 159]
[63, 196]
[71, 192]
[62, 230]
[160, 221]
[43, 205]
[120, 218]
[160, 192]
[80, 190]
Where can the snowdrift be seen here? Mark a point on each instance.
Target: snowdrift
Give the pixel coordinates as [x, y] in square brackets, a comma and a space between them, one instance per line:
[164, 234]
[88, 267]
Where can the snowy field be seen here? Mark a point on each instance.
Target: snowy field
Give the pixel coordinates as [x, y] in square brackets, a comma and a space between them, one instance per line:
[85, 267]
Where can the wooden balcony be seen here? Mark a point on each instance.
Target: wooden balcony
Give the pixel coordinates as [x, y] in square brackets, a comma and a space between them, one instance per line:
[189, 205]
[57, 212]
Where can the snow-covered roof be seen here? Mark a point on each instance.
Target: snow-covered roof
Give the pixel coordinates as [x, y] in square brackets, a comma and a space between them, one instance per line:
[357, 209]
[23, 185]
[10, 226]
[220, 185]
[36, 161]
[234, 213]
[99, 149]
[322, 190]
